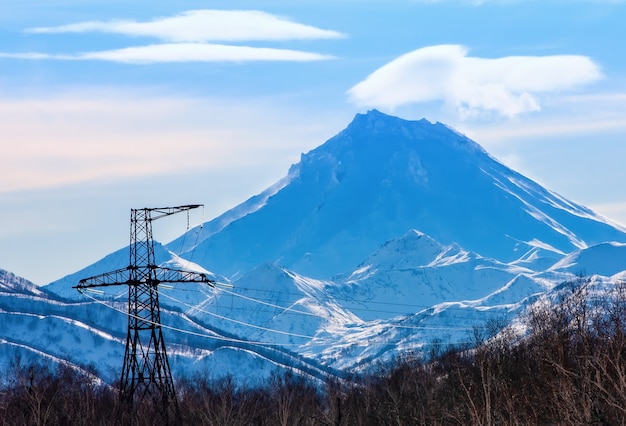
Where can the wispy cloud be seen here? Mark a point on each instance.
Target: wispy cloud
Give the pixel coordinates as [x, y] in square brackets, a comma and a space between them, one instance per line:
[181, 52]
[570, 116]
[473, 87]
[204, 26]
[191, 37]
[555, 127]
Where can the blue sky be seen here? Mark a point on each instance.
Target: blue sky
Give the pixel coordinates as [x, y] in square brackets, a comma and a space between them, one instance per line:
[111, 105]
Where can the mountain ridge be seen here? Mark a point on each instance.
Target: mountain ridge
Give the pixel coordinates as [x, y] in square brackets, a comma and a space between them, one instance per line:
[382, 176]
[388, 237]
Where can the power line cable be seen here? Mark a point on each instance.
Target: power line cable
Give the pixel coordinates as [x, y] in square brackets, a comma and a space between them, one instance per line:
[295, 311]
[288, 311]
[269, 344]
[453, 305]
[353, 300]
[285, 309]
[180, 330]
[198, 231]
[236, 321]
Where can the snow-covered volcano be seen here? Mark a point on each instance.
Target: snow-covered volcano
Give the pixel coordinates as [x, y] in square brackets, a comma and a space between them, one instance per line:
[379, 178]
[390, 235]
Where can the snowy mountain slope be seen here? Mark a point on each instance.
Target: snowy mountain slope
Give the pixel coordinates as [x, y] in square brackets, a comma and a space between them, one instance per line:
[11, 283]
[200, 233]
[606, 259]
[381, 177]
[36, 325]
[369, 344]
[415, 272]
[271, 304]
[92, 332]
[117, 260]
[390, 236]
[365, 345]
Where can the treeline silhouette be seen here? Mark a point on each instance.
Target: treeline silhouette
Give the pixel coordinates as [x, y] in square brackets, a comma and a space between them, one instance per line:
[564, 363]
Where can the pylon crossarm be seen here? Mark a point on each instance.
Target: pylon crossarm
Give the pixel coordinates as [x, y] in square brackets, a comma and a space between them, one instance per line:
[117, 277]
[171, 275]
[167, 211]
[163, 275]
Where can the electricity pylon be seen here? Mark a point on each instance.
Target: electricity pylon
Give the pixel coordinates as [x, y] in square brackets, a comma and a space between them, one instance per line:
[146, 371]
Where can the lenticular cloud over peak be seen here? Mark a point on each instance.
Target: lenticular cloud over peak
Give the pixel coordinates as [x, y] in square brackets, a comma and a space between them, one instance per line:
[474, 87]
[203, 26]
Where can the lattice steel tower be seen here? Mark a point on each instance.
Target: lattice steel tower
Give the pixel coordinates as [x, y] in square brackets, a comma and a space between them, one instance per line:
[146, 370]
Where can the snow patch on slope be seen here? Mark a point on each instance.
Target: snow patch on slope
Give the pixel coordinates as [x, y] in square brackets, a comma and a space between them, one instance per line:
[188, 241]
[605, 259]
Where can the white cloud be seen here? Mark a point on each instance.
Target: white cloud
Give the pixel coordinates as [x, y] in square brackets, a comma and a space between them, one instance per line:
[555, 127]
[189, 37]
[203, 26]
[181, 52]
[570, 116]
[473, 87]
